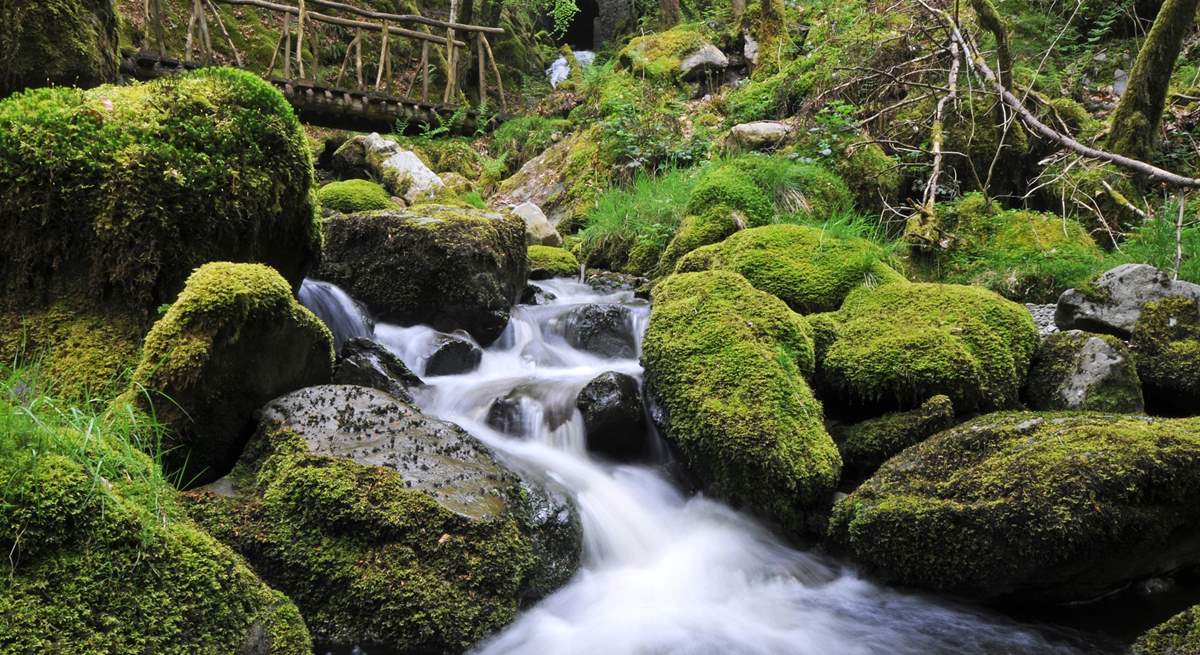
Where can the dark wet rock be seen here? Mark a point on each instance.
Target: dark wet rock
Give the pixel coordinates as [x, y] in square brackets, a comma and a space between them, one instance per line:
[611, 281]
[1113, 303]
[388, 527]
[605, 330]
[1083, 371]
[535, 295]
[453, 355]
[867, 444]
[505, 416]
[366, 363]
[614, 416]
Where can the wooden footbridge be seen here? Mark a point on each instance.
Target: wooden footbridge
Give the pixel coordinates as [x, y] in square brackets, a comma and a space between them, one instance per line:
[365, 91]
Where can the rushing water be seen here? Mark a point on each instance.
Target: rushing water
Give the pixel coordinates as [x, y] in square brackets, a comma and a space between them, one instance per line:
[663, 572]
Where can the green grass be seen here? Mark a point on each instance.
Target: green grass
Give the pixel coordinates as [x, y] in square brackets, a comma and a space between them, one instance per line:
[1153, 242]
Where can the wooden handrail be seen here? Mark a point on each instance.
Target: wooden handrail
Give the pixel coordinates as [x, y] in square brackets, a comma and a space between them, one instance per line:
[406, 18]
[344, 22]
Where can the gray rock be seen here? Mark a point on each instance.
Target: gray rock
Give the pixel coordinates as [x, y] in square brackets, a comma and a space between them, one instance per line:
[1075, 370]
[760, 135]
[453, 355]
[750, 49]
[614, 416]
[505, 415]
[605, 330]
[1114, 302]
[366, 363]
[1043, 317]
[400, 171]
[535, 295]
[538, 230]
[707, 59]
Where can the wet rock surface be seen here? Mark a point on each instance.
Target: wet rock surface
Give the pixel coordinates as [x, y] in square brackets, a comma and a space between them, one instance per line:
[614, 416]
[366, 363]
[604, 330]
[453, 355]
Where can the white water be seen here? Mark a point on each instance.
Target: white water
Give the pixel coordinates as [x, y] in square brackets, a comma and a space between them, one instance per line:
[664, 573]
[559, 70]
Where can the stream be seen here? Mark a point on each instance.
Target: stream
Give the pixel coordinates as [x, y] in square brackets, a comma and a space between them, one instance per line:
[664, 572]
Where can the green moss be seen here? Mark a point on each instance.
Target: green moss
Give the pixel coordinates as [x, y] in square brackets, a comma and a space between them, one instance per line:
[522, 138]
[1060, 505]
[872, 175]
[353, 196]
[1056, 365]
[866, 445]
[898, 344]
[1023, 255]
[65, 42]
[101, 557]
[1166, 343]
[1099, 196]
[727, 364]
[730, 187]
[115, 194]
[711, 226]
[806, 267]
[556, 262]
[1175, 636]
[659, 55]
[367, 558]
[234, 339]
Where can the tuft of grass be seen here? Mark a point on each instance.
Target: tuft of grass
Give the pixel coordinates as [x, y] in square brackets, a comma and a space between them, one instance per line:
[1153, 242]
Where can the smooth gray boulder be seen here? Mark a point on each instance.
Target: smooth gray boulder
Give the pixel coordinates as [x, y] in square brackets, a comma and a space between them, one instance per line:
[1113, 303]
[708, 58]
[400, 171]
[538, 229]
[760, 135]
[1081, 371]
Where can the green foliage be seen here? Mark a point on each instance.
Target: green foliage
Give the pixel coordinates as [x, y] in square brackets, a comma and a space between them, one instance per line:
[727, 363]
[1064, 505]
[554, 262]
[1153, 242]
[892, 347]
[806, 267]
[352, 196]
[520, 139]
[102, 559]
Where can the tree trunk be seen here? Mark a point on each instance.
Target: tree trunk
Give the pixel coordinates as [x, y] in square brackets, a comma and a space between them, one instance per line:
[672, 14]
[1136, 121]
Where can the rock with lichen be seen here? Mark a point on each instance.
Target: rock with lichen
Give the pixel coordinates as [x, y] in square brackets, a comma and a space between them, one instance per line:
[388, 527]
[1082, 371]
[1166, 345]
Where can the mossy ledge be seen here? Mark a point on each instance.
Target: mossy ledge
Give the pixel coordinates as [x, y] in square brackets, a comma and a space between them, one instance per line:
[727, 364]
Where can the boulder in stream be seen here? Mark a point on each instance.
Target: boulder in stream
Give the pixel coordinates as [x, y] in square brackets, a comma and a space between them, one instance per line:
[605, 330]
[365, 363]
[1048, 506]
[400, 171]
[614, 416]
[388, 528]
[453, 355]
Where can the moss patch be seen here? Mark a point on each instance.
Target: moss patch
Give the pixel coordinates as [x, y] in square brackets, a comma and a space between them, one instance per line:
[549, 261]
[727, 363]
[866, 445]
[353, 196]
[1166, 343]
[711, 226]
[1065, 506]
[1177, 635]
[659, 55]
[895, 345]
[63, 42]
[103, 559]
[806, 267]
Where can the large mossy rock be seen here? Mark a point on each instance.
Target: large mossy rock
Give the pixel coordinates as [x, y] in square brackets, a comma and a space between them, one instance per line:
[60, 42]
[1112, 303]
[449, 267]
[564, 181]
[234, 339]
[806, 267]
[386, 527]
[867, 444]
[726, 364]
[1178, 635]
[1166, 344]
[109, 198]
[101, 558]
[1059, 506]
[891, 347]
[1082, 371]
[352, 196]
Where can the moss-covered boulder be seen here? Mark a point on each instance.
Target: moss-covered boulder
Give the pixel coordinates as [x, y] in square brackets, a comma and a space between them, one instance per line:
[806, 267]
[669, 54]
[350, 196]
[1082, 371]
[101, 557]
[547, 262]
[109, 198]
[867, 444]
[564, 181]
[61, 42]
[710, 226]
[890, 348]
[726, 363]
[234, 339]
[446, 266]
[1059, 506]
[1166, 344]
[388, 529]
[1178, 635]
[764, 186]
[729, 186]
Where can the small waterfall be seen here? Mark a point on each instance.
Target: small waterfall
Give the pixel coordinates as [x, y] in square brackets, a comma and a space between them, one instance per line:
[560, 70]
[340, 313]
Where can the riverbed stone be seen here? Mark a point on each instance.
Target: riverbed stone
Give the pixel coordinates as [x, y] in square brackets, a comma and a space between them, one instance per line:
[388, 527]
[367, 363]
[760, 135]
[538, 229]
[1113, 302]
[453, 355]
[1047, 506]
[705, 60]
[614, 416]
[445, 266]
[605, 330]
[1078, 370]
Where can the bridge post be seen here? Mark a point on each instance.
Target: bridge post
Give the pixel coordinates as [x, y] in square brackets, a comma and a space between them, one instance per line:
[287, 46]
[424, 71]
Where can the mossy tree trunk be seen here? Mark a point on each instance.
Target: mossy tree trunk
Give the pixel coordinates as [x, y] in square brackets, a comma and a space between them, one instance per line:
[1137, 118]
[671, 12]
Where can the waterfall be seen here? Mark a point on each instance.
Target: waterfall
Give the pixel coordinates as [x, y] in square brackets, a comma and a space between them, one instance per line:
[344, 317]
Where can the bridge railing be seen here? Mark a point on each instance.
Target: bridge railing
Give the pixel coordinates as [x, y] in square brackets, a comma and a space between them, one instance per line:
[447, 42]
